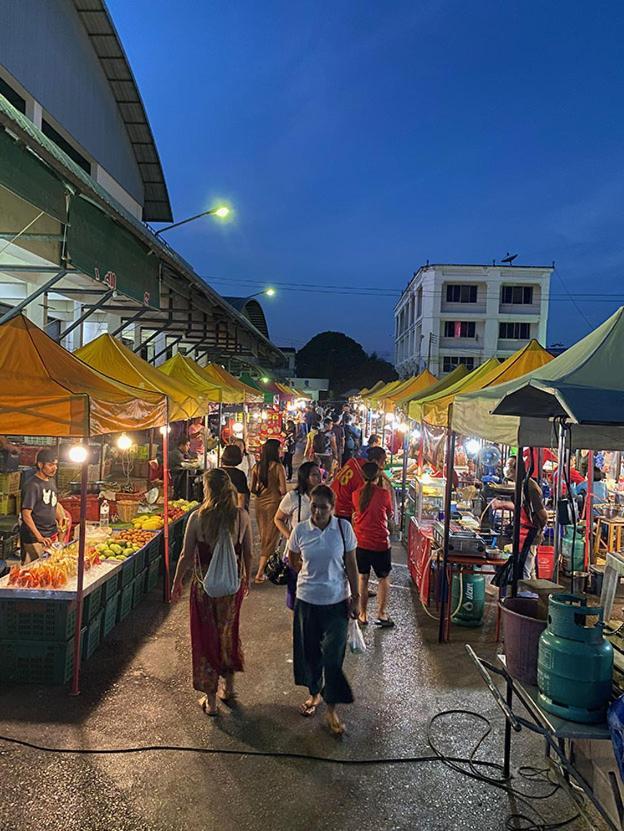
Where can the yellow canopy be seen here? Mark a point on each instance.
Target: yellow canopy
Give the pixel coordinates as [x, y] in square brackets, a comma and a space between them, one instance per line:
[233, 390]
[433, 408]
[181, 368]
[47, 391]
[375, 399]
[407, 389]
[374, 388]
[529, 357]
[117, 361]
[444, 382]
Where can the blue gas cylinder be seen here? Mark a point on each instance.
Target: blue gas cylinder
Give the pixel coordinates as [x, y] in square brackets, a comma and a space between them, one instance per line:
[472, 589]
[575, 661]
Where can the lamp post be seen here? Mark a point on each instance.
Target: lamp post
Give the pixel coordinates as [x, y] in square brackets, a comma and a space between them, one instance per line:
[268, 292]
[222, 212]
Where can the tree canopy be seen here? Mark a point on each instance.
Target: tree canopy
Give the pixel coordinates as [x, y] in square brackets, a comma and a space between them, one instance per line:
[343, 361]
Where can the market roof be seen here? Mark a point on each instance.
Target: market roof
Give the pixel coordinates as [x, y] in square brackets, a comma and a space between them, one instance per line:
[105, 41]
[433, 408]
[252, 310]
[47, 391]
[111, 357]
[584, 385]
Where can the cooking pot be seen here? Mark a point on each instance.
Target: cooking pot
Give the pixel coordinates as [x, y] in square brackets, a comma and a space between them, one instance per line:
[92, 487]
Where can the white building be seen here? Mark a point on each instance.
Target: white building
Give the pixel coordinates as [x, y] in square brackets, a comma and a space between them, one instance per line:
[452, 314]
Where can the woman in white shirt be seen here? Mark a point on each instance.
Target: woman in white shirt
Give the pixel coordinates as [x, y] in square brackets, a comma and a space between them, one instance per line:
[295, 506]
[322, 550]
[249, 460]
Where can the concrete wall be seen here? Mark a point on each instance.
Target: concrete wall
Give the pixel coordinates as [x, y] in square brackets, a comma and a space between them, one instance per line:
[45, 47]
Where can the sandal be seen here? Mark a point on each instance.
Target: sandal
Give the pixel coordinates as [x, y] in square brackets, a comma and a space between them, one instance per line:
[226, 696]
[336, 728]
[384, 622]
[307, 709]
[362, 622]
[262, 579]
[203, 703]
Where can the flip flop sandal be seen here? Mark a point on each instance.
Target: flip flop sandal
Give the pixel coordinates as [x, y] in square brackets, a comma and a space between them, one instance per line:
[307, 710]
[362, 622]
[203, 703]
[335, 728]
[384, 622]
[262, 579]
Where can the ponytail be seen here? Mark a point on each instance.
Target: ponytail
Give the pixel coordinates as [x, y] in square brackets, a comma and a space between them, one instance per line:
[370, 471]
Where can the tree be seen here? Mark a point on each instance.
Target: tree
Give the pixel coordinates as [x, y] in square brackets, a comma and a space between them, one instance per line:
[343, 361]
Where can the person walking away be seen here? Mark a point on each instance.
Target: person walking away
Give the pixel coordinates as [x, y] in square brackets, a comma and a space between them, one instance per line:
[350, 477]
[231, 458]
[322, 551]
[308, 453]
[293, 509]
[339, 435]
[42, 514]
[268, 484]
[290, 440]
[215, 641]
[324, 446]
[353, 438]
[372, 519]
[373, 441]
[248, 460]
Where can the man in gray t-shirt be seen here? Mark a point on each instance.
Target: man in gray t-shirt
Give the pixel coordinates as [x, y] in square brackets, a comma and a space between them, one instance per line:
[41, 511]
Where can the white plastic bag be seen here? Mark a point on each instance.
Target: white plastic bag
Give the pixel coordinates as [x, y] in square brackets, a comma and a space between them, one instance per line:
[222, 577]
[355, 638]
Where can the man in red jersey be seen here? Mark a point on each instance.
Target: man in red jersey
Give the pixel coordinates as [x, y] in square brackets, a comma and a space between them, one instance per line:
[349, 478]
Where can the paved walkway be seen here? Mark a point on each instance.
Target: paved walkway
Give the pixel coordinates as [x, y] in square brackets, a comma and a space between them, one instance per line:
[136, 691]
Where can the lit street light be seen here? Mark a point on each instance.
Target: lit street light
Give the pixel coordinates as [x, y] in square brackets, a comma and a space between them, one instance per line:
[222, 212]
[268, 292]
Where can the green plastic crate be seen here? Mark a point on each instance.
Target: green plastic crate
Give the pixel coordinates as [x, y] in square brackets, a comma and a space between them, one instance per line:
[109, 619]
[92, 636]
[127, 572]
[152, 549]
[110, 588]
[139, 588]
[36, 662]
[37, 620]
[92, 604]
[153, 574]
[139, 560]
[125, 602]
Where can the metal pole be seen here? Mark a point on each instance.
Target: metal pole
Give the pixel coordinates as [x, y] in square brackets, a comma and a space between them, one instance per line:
[169, 346]
[589, 509]
[205, 442]
[84, 476]
[245, 421]
[561, 434]
[151, 337]
[404, 476]
[166, 510]
[37, 293]
[85, 315]
[219, 434]
[448, 493]
[515, 551]
[130, 320]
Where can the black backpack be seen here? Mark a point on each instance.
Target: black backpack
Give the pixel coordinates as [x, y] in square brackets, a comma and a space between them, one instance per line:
[321, 443]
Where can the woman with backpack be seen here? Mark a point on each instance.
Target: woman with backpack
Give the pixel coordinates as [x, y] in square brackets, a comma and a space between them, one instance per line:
[322, 551]
[353, 438]
[215, 641]
[268, 485]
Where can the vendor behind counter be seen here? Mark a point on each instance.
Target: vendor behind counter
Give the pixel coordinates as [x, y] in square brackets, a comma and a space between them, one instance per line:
[42, 514]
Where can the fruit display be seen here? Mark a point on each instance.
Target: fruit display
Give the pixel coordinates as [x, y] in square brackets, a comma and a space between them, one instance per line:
[179, 507]
[54, 571]
[148, 522]
[117, 549]
[135, 536]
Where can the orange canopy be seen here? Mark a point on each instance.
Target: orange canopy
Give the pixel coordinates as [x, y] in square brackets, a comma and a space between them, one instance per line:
[110, 356]
[47, 391]
[181, 368]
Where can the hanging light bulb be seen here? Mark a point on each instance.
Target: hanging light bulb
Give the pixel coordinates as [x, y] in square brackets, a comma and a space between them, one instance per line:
[78, 454]
[237, 429]
[472, 447]
[124, 442]
[164, 430]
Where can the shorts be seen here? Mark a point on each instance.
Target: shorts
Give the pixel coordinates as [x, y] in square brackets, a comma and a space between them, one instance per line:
[379, 561]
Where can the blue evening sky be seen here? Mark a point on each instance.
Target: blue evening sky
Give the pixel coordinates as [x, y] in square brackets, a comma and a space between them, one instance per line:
[358, 139]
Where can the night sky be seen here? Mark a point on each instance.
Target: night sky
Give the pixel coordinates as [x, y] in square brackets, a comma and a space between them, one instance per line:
[357, 140]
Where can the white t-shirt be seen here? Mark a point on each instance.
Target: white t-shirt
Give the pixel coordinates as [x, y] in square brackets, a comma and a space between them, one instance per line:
[323, 578]
[290, 506]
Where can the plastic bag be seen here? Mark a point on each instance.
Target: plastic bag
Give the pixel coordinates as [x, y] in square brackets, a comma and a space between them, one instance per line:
[355, 638]
[222, 577]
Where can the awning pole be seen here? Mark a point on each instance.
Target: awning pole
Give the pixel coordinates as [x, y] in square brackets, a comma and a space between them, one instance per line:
[558, 493]
[84, 476]
[219, 434]
[166, 509]
[448, 493]
[515, 549]
[589, 510]
[404, 475]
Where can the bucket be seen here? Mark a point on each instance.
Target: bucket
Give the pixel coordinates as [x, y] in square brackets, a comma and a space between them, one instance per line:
[522, 628]
[545, 562]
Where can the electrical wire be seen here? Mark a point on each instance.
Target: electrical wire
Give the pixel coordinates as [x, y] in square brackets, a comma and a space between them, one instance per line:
[470, 766]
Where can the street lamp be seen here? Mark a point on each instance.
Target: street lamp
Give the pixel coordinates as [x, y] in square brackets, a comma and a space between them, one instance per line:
[222, 212]
[268, 292]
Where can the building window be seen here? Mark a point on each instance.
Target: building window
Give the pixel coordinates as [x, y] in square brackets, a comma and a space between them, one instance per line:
[419, 295]
[461, 294]
[459, 329]
[49, 131]
[451, 362]
[517, 295]
[12, 97]
[514, 331]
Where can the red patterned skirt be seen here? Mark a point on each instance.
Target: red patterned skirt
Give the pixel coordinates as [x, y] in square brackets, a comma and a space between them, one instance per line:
[215, 639]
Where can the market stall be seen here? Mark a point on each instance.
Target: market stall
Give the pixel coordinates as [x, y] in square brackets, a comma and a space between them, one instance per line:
[47, 392]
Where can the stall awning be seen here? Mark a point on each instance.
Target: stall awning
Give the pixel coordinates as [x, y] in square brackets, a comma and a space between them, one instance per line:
[233, 391]
[184, 369]
[111, 357]
[47, 391]
[434, 407]
[406, 389]
[584, 384]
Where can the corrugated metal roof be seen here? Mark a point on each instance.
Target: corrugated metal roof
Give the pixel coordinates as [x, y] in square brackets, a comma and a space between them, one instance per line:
[105, 41]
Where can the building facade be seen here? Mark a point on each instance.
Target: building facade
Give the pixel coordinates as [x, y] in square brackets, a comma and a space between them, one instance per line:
[464, 314]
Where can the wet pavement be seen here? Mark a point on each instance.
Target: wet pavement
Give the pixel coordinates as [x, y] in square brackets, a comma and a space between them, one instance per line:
[136, 691]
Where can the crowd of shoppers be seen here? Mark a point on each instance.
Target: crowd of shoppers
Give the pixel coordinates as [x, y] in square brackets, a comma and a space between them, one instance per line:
[335, 534]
